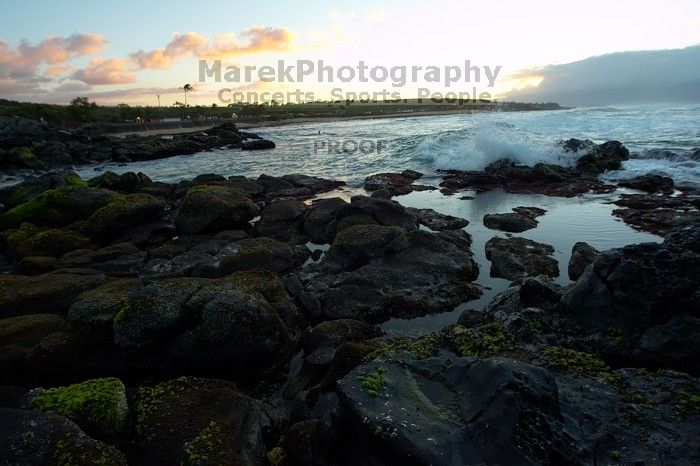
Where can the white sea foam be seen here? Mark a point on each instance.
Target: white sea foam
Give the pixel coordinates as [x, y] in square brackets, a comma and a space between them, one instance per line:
[475, 148]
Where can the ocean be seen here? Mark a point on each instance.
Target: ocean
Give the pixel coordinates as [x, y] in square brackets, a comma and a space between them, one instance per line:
[661, 138]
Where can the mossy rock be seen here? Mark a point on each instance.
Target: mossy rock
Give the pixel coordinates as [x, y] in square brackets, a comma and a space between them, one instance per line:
[31, 241]
[99, 406]
[122, 213]
[209, 208]
[57, 207]
[32, 437]
[94, 311]
[48, 293]
[25, 157]
[193, 421]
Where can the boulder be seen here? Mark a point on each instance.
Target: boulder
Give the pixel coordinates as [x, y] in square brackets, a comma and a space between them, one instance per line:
[48, 293]
[93, 312]
[194, 421]
[512, 222]
[121, 214]
[649, 183]
[20, 335]
[282, 220]
[128, 182]
[516, 257]
[582, 255]
[634, 288]
[57, 207]
[464, 412]
[52, 242]
[385, 212]
[214, 208]
[674, 345]
[320, 221]
[257, 144]
[437, 221]
[374, 272]
[245, 322]
[395, 184]
[98, 406]
[30, 437]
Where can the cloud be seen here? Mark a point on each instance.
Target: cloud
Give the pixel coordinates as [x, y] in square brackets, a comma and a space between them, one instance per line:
[256, 39]
[341, 15]
[57, 70]
[617, 78]
[72, 86]
[374, 16]
[100, 71]
[20, 67]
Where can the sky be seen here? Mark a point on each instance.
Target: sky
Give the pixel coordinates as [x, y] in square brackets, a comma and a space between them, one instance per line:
[130, 52]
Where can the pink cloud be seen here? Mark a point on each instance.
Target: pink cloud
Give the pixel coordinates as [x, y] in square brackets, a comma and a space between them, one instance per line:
[257, 40]
[100, 71]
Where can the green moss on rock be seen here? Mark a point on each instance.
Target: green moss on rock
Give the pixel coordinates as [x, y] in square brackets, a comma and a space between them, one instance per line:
[149, 398]
[97, 405]
[487, 340]
[374, 381]
[57, 207]
[207, 447]
[122, 213]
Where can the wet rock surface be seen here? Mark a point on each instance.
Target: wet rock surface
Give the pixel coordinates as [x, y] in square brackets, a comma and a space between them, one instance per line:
[516, 257]
[521, 219]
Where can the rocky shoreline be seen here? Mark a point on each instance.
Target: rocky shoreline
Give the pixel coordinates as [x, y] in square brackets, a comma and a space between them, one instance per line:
[27, 144]
[234, 321]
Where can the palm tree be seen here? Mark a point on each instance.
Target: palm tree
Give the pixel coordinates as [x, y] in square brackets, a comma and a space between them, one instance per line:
[187, 88]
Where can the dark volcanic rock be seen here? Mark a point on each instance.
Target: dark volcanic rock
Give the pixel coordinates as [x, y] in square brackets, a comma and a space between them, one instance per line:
[48, 293]
[516, 257]
[658, 213]
[385, 212]
[674, 344]
[435, 419]
[411, 407]
[30, 437]
[214, 208]
[649, 183]
[257, 144]
[210, 421]
[320, 221]
[582, 255]
[606, 156]
[634, 288]
[395, 184]
[129, 182]
[377, 272]
[549, 179]
[57, 207]
[512, 222]
[282, 220]
[245, 322]
[437, 221]
[630, 291]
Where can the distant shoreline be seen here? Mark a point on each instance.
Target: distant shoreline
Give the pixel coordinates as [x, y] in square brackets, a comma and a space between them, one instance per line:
[246, 125]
